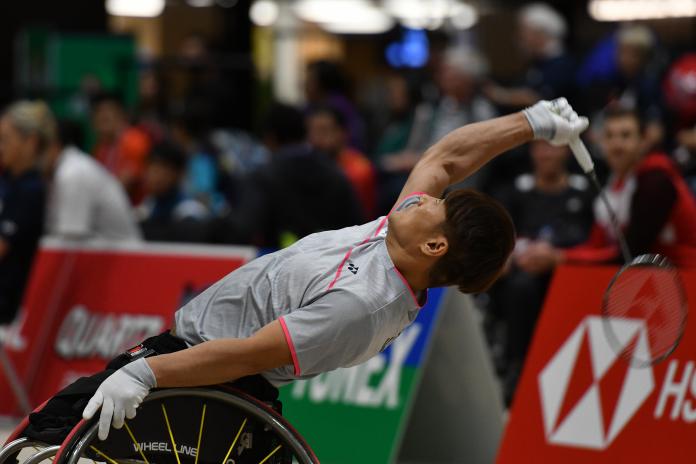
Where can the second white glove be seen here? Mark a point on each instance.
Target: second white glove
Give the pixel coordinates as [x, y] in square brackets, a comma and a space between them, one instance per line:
[555, 121]
[120, 395]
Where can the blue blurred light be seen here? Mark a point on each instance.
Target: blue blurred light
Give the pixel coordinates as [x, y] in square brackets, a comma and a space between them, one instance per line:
[411, 51]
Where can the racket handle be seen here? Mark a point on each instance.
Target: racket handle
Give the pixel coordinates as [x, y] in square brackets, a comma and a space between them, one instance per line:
[581, 155]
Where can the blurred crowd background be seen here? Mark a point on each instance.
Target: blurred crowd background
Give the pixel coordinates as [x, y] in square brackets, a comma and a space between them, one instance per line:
[240, 122]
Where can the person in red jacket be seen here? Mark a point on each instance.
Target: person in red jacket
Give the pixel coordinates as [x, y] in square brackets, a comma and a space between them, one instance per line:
[327, 132]
[653, 204]
[120, 147]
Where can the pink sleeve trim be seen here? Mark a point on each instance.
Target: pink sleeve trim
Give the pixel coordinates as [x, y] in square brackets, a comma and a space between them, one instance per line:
[288, 339]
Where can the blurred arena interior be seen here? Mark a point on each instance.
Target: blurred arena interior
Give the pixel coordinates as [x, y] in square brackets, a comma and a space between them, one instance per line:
[175, 140]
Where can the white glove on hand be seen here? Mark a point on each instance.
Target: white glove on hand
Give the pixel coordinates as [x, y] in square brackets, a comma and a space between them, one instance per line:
[120, 394]
[555, 121]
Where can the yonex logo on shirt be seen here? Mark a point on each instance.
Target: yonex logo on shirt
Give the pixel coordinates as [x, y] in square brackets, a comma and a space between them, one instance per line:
[353, 268]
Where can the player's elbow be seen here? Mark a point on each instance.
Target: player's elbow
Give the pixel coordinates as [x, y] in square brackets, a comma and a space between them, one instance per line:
[261, 356]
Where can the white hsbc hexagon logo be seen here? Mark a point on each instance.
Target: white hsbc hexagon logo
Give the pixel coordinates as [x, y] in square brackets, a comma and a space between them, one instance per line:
[584, 425]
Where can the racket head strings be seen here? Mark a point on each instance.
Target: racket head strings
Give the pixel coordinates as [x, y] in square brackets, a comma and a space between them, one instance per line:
[645, 310]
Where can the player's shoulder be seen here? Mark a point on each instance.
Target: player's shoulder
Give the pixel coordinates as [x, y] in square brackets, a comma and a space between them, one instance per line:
[338, 239]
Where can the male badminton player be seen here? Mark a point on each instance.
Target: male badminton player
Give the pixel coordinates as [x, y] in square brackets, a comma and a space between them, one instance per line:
[336, 298]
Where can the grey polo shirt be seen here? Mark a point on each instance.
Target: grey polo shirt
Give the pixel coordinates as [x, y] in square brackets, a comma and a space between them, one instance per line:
[337, 294]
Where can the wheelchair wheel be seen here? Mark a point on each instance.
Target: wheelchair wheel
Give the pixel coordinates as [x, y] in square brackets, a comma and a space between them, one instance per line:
[9, 453]
[192, 426]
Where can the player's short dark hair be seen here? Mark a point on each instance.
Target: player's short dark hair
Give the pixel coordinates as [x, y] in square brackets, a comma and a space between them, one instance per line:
[481, 236]
[617, 111]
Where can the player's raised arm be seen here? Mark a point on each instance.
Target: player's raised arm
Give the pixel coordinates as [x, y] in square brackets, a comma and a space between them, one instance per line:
[463, 151]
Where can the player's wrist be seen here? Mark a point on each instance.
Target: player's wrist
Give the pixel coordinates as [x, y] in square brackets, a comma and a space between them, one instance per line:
[141, 371]
[540, 121]
[526, 126]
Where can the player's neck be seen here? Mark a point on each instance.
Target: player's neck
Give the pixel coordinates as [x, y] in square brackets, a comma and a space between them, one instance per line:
[412, 269]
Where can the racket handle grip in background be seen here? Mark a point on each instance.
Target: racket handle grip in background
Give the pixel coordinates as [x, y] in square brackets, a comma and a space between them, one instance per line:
[582, 155]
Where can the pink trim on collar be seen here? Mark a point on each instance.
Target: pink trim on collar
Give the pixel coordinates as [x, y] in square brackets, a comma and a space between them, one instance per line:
[410, 290]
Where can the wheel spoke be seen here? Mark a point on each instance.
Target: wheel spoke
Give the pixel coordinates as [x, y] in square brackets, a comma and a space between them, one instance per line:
[171, 435]
[135, 442]
[234, 441]
[200, 434]
[94, 448]
[270, 454]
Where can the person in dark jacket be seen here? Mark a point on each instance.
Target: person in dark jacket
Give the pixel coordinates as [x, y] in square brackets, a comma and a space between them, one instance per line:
[26, 129]
[300, 192]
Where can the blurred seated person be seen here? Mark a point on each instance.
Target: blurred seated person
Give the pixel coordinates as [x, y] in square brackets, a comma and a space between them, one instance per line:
[201, 180]
[685, 155]
[120, 147]
[653, 204]
[327, 133]
[680, 98]
[84, 199]
[550, 72]
[549, 205]
[167, 213]
[634, 83]
[402, 98]
[299, 192]
[461, 102]
[327, 84]
[26, 127]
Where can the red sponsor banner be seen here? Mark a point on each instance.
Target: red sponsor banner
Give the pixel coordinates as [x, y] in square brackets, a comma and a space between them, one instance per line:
[577, 402]
[85, 304]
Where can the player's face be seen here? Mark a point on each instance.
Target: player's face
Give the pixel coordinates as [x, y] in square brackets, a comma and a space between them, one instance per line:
[418, 219]
[621, 141]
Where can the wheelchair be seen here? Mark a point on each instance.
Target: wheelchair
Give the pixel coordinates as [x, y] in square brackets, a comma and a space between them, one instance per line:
[211, 425]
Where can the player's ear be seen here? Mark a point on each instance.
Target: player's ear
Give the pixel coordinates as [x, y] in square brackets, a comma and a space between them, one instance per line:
[436, 246]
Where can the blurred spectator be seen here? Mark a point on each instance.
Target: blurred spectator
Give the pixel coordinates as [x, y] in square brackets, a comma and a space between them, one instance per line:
[652, 202]
[326, 84]
[401, 100]
[151, 111]
[120, 147]
[685, 155]
[299, 192]
[189, 131]
[210, 82]
[459, 76]
[552, 206]
[551, 71]
[328, 134]
[84, 199]
[680, 93]
[633, 82]
[26, 128]
[167, 213]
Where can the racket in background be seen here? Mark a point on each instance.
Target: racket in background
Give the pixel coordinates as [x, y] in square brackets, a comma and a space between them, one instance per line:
[647, 292]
